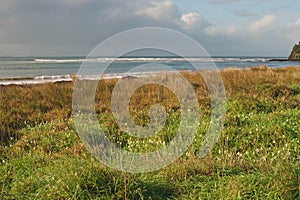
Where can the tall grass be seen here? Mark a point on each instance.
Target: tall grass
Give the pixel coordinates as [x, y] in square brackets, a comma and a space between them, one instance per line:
[256, 157]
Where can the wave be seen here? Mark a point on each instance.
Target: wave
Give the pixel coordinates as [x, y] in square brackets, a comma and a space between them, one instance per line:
[149, 59]
[69, 78]
[255, 60]
[104, 60]
[63, 77]
[35, 80]
[59, 60]
[117, 75]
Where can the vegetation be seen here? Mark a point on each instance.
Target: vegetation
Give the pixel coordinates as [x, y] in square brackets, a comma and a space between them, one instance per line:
[295, 54]
[256, 157]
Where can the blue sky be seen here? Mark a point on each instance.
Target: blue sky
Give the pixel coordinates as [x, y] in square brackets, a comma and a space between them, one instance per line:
[75, 27]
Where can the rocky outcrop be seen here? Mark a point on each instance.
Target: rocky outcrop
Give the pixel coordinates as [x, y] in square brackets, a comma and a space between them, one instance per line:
[295, 54]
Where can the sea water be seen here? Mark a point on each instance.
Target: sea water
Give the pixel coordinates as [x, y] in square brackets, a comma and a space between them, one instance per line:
[26, 70]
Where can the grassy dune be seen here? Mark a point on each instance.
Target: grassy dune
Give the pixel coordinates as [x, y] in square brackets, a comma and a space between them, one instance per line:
[256, 157]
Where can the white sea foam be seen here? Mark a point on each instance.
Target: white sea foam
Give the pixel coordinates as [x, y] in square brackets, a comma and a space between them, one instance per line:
[116, 75]
[60, 77]
[68, 78]
[146, 59]
[59, 60]
[32, 81]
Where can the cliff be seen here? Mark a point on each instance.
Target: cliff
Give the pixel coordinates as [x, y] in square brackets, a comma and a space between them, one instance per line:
[295, 54]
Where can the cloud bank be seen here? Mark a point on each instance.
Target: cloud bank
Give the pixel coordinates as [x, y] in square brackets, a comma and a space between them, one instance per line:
[74, 27]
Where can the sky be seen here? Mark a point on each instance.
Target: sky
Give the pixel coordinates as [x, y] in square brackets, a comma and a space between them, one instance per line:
[222, 27]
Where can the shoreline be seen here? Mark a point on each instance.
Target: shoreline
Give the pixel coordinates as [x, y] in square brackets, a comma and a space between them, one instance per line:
[70, 78]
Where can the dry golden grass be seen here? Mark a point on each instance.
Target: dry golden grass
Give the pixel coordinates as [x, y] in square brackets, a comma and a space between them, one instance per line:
[32, 104]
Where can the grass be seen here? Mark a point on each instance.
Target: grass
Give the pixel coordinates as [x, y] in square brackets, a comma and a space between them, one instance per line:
[256, 157]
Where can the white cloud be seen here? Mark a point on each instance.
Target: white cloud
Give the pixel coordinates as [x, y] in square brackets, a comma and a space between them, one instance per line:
[160, 10]
[211, 31]
[292, 30]
[231, 30]
[294, 24]
[193, 22]
[297, 23]
[263, 25]
[220, 31]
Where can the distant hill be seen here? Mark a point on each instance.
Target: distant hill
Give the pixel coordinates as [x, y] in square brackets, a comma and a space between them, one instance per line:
[295, 54]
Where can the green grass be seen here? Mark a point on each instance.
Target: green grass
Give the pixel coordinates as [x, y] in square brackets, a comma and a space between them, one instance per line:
[256, 157]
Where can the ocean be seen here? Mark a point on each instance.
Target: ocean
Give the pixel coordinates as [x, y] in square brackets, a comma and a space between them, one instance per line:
[26, 70]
